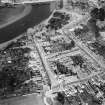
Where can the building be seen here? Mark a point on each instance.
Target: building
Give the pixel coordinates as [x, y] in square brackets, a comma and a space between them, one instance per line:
[52, 6]
[59, 4]
[63, 3]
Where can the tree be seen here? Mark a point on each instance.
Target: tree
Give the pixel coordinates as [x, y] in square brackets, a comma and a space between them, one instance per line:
[61, 68]
[60, 98]
[101, 14]
[95, 13]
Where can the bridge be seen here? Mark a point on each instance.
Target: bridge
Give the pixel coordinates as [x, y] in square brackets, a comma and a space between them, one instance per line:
[26, 1]
[37, 1]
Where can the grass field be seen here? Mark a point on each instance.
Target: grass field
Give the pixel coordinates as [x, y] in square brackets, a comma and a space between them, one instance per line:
[24, 100]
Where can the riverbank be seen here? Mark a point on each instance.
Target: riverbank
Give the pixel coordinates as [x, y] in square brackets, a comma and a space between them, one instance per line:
[11, 15]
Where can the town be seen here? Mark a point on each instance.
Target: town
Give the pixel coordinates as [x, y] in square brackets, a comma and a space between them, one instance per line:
[62, 57]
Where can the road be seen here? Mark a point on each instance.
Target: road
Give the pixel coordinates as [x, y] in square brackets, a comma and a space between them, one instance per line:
[71, 35]
[61, 86]
[44, 62]
[83, 47]
[37, 1]
[87, 51]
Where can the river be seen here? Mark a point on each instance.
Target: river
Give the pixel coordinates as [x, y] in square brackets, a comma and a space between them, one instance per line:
[38, 13]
